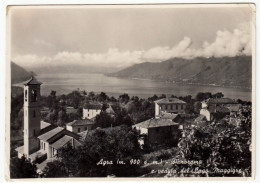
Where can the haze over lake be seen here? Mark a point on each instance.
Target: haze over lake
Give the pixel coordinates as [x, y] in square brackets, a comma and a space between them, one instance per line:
[96, 82]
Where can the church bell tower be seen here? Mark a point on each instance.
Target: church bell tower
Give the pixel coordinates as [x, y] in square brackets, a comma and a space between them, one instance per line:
[32, 115]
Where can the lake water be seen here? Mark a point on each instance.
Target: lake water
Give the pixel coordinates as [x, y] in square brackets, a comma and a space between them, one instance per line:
[65, 83]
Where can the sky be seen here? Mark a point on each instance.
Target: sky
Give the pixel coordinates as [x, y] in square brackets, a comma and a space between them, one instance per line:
[116, 36]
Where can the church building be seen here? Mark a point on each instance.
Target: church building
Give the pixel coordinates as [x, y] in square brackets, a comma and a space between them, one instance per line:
[41, 139]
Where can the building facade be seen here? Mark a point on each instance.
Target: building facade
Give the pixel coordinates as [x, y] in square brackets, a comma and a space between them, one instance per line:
[78, 126]
[91, 110]
[169, 105]
[166, 127]
[218, 107]
[159, 131]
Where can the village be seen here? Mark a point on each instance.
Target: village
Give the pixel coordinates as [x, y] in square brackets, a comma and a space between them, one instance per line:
[159, 128]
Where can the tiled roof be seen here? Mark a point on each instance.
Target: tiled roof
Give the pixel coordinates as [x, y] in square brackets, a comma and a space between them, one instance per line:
[200, 118]
[169, 101]
[110, 110]
[221, 101]
[81, 122]
[32, 81]
[44, 124]
[153, 123]
[222, 109]
[61, 142]
[93, 106]
[77, 143]
[70, 110]
[83, 134]
[46, 136]
[169, 115]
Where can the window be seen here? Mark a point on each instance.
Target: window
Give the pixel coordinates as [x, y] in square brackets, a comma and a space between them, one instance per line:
[78, 129]
[177, 107]
[181, 106]
[86, 128]
[34, 113]
[43, 145]
[25, 95]
[34, 95]
[88, 115]
[171, 107]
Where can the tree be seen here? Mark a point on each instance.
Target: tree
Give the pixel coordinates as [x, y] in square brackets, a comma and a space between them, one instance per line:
[62, 117]
[116, 143]
[218, 95]
[55, 169]
[91, 95]
[113, 99]
[162, 96]
[17, 112]
[22, 168]
[122, 118]
[197, 107]
[52, 100]
[110, 144]
[203, 96]
[80, 112]
[74, 98]
[104, 107]
[218, 145]
[153, 98]
[135, 99]
[102, 97]
[103, 120]
[124, 98]
[189, 108]
[84, 92]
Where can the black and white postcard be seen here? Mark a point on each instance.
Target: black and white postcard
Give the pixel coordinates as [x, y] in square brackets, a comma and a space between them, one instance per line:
[131, 91]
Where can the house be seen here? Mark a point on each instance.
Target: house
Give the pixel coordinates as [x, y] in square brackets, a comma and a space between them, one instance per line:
[232, 105]
[41, 139]
[169, 105]
[166, 127]
[161, 130]
[91, 110]
[81, 125]
[218, 107]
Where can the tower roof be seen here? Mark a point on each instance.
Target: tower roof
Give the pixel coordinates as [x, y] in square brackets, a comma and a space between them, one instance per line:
[32, 81]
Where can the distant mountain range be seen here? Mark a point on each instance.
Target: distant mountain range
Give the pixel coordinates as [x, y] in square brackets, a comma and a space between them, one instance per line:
[19, 74]
[225, 71]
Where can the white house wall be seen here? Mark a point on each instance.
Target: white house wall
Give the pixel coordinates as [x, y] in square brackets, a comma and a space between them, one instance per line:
[90, 113]
[205, 113]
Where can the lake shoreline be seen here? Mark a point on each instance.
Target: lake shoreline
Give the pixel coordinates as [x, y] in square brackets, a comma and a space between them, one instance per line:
[184, 83]
[143, 88]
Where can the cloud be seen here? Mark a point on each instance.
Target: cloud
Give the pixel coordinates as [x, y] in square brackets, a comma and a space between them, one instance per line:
[227, 43]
